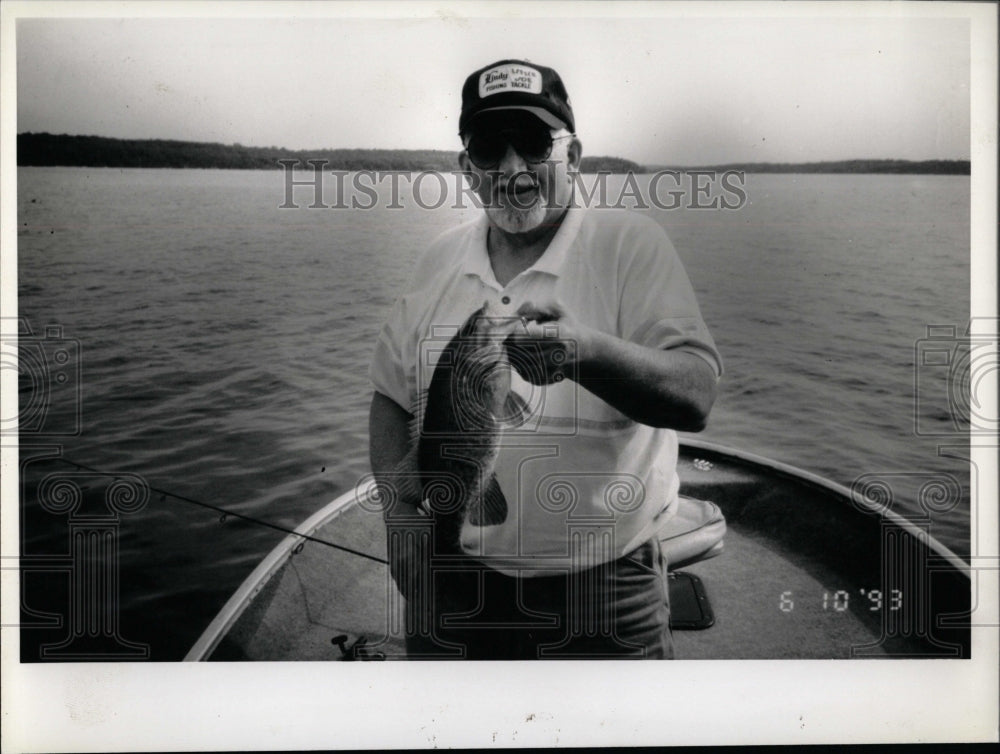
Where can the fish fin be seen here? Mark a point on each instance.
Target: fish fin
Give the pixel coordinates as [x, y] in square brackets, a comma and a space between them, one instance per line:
[493, 510]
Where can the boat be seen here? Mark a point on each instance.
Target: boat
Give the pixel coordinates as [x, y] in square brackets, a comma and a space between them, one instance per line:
[801, 568]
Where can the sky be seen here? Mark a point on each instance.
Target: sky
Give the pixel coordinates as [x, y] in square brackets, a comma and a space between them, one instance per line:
[671, 90]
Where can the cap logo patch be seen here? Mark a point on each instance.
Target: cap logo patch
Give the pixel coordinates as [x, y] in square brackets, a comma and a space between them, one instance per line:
[510, 78]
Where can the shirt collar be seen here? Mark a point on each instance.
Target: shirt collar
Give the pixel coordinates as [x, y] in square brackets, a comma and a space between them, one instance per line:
[477, 259]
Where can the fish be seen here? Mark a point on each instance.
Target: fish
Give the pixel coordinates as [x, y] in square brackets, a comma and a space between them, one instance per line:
[469, 403]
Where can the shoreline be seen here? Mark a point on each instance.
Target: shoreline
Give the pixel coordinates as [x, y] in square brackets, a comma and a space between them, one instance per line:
[48, 150]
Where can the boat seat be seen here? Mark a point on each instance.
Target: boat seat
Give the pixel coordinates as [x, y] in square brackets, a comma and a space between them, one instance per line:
[693, 533]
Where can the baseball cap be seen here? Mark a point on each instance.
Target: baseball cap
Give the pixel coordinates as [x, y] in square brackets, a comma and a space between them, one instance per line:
[516, 85]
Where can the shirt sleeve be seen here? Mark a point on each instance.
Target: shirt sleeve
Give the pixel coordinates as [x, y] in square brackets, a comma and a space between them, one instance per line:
[392, 370]
[657, 305]
[387, 371]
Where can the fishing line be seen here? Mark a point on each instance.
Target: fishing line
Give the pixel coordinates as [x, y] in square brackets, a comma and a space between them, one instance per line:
[225, 513]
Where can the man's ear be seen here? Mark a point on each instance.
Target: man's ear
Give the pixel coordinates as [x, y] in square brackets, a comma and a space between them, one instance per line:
[574, 153]
[464, 162]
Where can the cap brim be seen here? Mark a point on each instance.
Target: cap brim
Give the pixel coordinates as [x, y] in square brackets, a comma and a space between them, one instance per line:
[541, 113]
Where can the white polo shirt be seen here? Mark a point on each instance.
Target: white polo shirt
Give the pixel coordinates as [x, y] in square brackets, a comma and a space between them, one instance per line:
[584, 483]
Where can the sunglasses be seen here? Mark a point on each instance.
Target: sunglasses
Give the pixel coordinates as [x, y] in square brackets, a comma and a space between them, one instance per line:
[533, 144]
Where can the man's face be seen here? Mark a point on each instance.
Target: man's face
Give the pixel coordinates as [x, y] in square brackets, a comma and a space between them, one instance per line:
[520, 195]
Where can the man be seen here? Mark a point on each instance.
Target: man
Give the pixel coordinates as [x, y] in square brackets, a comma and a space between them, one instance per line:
[615, 358]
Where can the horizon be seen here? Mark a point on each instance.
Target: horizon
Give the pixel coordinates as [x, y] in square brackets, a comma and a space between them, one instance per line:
[237, 145]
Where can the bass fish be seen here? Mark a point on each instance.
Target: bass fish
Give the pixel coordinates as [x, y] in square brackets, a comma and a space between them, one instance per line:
[469, 403]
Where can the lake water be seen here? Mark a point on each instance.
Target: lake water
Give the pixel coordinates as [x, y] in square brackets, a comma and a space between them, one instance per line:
[223, 342]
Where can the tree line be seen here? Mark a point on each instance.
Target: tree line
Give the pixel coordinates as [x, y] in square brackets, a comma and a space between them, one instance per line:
[938, 167]
[44, 149]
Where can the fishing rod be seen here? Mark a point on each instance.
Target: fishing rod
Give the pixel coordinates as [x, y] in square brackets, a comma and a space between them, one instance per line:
[225, 513]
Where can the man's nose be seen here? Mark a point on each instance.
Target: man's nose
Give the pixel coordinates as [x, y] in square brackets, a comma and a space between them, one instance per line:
[512, 162]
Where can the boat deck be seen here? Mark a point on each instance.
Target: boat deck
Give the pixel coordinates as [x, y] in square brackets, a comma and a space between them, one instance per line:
[804, 574]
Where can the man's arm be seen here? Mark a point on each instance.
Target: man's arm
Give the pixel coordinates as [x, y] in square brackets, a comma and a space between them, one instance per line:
[388, 433]
[395, 472]
[388, 445]
[659, 387]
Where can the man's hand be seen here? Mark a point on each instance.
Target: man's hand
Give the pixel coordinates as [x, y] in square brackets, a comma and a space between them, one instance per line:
[658, 387]
[547, 348]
